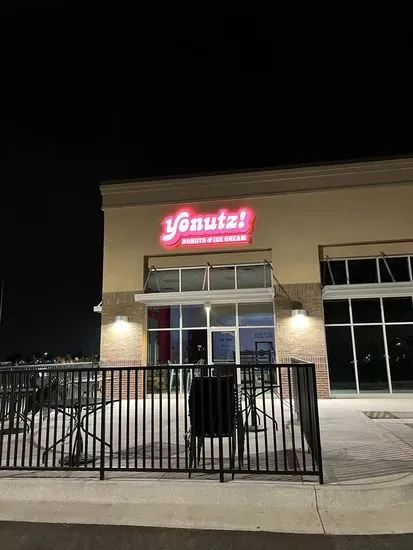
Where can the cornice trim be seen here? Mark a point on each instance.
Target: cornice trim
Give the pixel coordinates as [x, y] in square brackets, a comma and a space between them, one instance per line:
[257, 184]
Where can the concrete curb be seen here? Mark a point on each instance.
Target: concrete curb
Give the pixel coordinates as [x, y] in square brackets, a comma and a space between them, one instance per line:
[241, 506]
[165, 492]
[362, 496]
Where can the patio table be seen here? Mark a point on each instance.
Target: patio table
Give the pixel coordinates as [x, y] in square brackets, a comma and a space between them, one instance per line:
[78, 410]
[15, 391]
[251, 391]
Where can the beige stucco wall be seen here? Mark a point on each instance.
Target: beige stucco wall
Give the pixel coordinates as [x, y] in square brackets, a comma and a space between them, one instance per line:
[291, 226]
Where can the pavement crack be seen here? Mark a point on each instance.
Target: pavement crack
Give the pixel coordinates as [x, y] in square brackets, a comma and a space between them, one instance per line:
[318, 511]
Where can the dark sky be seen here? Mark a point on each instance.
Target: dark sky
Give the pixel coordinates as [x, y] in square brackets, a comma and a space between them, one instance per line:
[93, 96]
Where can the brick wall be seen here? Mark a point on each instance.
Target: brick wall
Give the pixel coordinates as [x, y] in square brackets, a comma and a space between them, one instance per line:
[307, 342]
[122, 380]
[124, 344]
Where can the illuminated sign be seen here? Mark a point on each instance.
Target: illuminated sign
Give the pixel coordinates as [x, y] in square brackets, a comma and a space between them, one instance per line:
[225, 227]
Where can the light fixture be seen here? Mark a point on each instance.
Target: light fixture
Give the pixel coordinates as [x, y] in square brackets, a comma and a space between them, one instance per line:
[207, 307]
[297, 309]
[299, 317]
[299, 313]
[121, 319]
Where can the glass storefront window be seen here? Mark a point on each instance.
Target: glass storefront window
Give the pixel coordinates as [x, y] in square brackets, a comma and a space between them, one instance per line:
[336, 312]
[372, 333]
[371, 359]
[256, 314]
[337, 276]
[194, 279]
[204, 278]
[340, 359]
[362, 271]
[223, 347]
[163, 281]
[398, 310]
[223, 315]
[391, 269]
[194, 346]
[163, 346]
[400, 347]
[366, 310]
[378, 325]
[256, 345]
[222, 278]
[399, 268]
[254, 276]
[182, 333]
[163, 317]
[194, 316]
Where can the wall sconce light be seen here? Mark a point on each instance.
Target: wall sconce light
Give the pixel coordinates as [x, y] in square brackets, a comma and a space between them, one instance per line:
[121, 319]
[299, 313]
[297, 309]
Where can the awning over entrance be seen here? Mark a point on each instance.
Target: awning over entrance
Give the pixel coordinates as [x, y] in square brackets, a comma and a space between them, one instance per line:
[246, 295]
[370, 290]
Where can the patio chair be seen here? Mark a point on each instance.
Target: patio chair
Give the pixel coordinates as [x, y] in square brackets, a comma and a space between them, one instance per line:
[175, 375]
[178, 374]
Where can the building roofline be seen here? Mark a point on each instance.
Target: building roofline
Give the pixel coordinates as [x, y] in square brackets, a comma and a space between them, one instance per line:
[279, 168]
[248, 184]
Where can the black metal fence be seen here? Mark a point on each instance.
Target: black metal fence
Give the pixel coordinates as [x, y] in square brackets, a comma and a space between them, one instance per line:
[306, 407]
[224, 420]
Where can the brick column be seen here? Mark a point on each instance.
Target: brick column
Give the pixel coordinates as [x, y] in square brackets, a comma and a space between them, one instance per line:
[123, 344]
[123, 381]
[307, 342]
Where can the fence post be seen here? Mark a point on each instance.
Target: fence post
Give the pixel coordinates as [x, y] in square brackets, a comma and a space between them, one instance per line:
[220, 426]
[317, 426]
[103, 427]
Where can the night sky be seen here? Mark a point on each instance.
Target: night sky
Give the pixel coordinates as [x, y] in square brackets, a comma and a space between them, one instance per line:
[94, 97]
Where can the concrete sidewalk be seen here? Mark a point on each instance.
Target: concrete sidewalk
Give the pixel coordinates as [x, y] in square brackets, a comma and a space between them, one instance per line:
[366, 448]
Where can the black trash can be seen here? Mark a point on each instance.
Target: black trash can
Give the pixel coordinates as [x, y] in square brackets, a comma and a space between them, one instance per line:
[213, 413]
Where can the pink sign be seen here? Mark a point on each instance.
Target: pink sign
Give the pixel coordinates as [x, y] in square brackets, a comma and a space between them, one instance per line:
[225, 227]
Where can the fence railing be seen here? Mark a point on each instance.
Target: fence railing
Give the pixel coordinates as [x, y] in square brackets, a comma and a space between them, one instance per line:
[306, 407]
[222, 420]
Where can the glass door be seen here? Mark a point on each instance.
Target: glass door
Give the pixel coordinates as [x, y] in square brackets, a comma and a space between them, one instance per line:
[223, 347]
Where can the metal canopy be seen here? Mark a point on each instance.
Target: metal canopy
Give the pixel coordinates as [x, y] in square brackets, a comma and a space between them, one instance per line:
[211, 296]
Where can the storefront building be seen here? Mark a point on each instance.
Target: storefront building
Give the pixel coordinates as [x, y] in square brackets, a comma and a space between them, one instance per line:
[310, 262]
